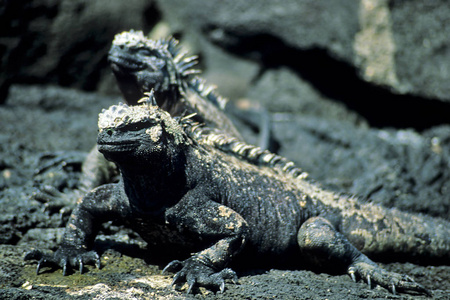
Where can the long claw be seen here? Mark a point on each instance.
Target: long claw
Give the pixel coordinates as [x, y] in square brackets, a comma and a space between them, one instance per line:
[175, 279]
[172, 265]
[392, 281]
[195, 273]
[191, 285]
[98, 264]
[64, 262]
[80, 263]
[38, 268]
[351, 272]
[165, 269]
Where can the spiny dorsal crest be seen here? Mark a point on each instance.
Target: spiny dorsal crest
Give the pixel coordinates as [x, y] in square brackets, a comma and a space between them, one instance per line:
[249, 153]
[168, 49]
[121, 115]
[208, 92]
[179, 64]
[149, 100]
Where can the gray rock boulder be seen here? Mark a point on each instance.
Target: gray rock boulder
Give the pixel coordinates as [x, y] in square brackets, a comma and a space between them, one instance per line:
[398, 45]
[63, 41]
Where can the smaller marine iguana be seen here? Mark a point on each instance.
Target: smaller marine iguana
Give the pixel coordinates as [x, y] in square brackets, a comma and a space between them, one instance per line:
[180, 193]
[140, 65]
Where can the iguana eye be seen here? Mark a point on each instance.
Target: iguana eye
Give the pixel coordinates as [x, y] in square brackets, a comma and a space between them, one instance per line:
[144, 51]
[138, 126]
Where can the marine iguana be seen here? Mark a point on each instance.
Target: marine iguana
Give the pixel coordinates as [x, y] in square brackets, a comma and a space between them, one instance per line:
[140, 65]
[181, 193]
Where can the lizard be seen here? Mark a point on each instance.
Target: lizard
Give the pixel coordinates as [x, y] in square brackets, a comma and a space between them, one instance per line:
[182, 193]
[141, 64]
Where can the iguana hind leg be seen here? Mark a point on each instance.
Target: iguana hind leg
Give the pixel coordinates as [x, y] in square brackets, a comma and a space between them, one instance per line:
[223, 227]
[324, 245]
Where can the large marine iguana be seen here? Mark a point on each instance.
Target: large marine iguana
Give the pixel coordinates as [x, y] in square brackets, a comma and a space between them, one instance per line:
[140, 65]
[182, 193]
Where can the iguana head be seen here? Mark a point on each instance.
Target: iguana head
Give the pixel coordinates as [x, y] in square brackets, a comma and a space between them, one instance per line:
[141, 64]
[140, 133]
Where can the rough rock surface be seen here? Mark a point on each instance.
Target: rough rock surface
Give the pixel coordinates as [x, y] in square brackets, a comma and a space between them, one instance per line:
[63, 41]
[402, 45]
[55, 119]
[388, 166]
[357, 94]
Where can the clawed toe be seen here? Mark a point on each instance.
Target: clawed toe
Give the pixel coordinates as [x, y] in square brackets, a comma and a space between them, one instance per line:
[394, 282]
[351, 272]
[194, 274]
[394, 292]
[190, 286]
[177, 279]
[173, 266]
[65, 259]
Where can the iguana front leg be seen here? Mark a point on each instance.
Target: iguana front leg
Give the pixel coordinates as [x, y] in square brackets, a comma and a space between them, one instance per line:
[102, 204]
[324, 245]
[207, 220]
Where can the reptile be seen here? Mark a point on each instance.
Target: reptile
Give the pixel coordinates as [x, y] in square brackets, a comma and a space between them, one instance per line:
[141, 64]
[180, 190]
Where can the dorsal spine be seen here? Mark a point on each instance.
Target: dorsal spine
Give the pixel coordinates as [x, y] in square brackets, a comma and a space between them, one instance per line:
[250, 153]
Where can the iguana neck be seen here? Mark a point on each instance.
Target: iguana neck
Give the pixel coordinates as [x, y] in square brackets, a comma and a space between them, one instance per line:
[169, 100]
[153, 187]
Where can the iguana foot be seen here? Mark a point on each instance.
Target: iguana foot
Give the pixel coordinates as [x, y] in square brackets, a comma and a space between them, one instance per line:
[373, 274]
[195, 273]
[323, 244]
[64, 258]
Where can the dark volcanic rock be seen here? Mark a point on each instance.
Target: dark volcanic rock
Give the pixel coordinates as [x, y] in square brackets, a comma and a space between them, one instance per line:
[401, 45]
[397, 168]
[63, 41]
[281, 90]
[422, 57]
[269, 25]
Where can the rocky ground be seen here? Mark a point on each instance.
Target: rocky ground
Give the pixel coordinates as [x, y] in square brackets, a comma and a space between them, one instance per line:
[356, 93]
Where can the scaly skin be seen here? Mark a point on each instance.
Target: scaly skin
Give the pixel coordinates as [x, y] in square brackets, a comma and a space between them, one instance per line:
[193, 196]
[140, 65]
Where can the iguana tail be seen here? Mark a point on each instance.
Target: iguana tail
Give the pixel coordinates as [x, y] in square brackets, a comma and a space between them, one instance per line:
[384, 233]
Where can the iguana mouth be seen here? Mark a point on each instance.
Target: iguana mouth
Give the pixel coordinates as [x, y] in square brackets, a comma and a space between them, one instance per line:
[127, 63]
[123, 146]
